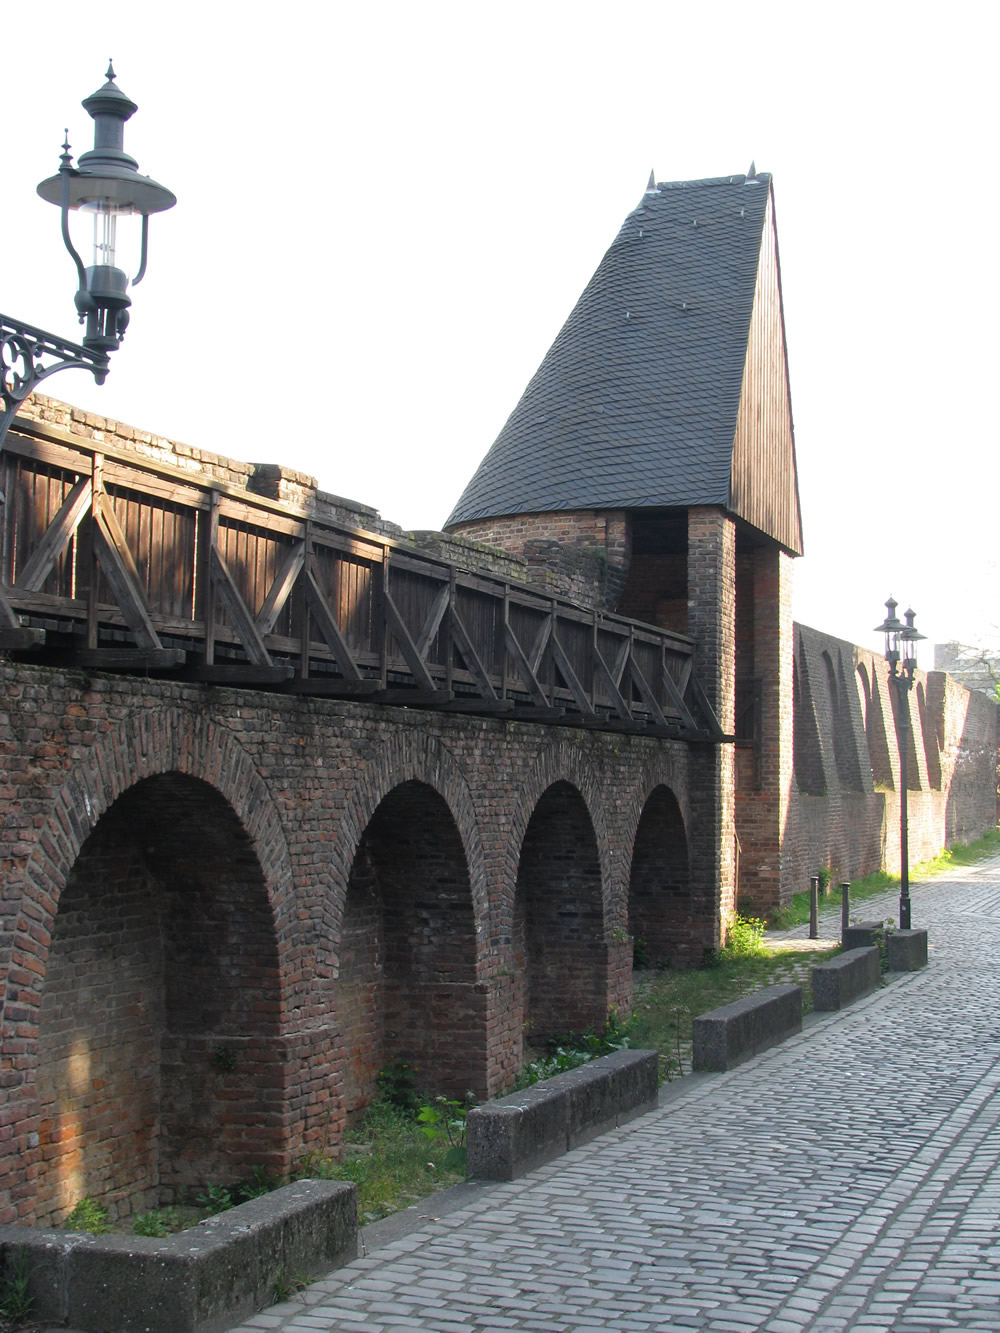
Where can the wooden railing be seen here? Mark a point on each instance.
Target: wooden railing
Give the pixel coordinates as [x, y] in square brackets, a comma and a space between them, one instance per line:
[114, 561]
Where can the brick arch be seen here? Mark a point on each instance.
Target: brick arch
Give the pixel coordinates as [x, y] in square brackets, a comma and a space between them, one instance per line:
[410, 911]
[666, 919]
[560, 762]
[151, 744]
[410, 757]
[558, 926]
[154, 901]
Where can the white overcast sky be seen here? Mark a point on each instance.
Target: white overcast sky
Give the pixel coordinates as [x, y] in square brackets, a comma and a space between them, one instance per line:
[386, 212]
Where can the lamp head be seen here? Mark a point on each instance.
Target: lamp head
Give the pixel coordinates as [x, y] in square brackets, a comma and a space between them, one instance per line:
[107, 185]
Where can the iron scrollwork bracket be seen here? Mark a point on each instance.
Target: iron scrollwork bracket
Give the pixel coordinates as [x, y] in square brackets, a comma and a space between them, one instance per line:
[29, 355]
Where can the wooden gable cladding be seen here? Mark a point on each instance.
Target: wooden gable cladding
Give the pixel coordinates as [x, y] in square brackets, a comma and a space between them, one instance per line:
[122, 563]
[764, 488]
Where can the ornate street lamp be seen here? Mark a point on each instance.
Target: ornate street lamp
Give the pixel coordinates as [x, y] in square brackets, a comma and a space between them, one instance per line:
[106, 185]
[900, 652]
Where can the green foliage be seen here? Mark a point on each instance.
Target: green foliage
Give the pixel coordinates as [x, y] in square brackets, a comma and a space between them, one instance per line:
[397, 1086]
[88, 1215]
[16, 1299]
[796, 911]
[388, 1158]
[572, 1049]
[287, 1284]
[443, 1121]
[260, 1182]
[640, 954]
[215, 1199]
[157, 1222]
[745, 936]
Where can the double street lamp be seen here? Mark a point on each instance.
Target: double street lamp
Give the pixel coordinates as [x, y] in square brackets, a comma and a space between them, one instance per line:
[900, 652]
[106, 186]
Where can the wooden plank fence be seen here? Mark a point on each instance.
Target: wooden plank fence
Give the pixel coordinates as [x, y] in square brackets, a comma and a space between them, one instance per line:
[114, 561]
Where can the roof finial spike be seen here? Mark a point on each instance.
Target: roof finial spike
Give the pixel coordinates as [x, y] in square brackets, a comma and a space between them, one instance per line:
[651, 186]
[66, 158]
[751, 174]
[111, 71]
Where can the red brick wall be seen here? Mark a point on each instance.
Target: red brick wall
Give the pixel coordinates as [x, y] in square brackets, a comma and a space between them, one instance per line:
[848, 820]
[712, 624]
[240, 819]
[592, 544]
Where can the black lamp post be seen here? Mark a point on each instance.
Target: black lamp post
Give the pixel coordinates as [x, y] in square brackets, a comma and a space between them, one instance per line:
[900, 653]
[106, 185]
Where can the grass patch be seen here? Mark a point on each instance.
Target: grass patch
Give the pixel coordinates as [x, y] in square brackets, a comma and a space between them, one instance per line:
[796, 911]
[666, 1002]
[389, 1159]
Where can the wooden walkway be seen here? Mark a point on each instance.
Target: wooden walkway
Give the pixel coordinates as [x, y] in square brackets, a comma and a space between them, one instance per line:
[114, 561]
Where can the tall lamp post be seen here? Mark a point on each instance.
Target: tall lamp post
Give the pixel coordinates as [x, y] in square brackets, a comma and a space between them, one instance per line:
[106, 185]
[900, 652]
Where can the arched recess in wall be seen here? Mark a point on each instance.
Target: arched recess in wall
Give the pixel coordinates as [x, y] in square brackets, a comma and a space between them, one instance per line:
[407, 982]
[878, 747]
[158, 1057]
[807, 759]
[661, 912]
[844, 750]
[931, 752]
[558, 953]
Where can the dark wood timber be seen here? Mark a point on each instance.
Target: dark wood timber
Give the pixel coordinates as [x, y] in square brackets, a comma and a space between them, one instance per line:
[127, 554]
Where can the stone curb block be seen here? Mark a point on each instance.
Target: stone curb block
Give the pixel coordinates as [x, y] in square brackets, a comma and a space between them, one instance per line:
[862, 935]
[510, 1136]
[200, 1281]
[725, 1037]
[907, 950]
[846, 978]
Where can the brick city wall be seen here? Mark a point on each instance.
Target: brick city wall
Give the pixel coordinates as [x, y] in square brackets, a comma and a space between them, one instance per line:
[844, 801]
[223, 912]
[590, 548]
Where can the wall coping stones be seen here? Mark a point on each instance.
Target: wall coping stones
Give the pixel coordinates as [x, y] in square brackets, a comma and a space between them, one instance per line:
[511, 1135]
[202, 1280]
[725, 1037]
[846, 978]
[907, 950]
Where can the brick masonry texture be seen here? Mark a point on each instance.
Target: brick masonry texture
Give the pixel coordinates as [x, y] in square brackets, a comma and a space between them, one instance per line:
[224, 911]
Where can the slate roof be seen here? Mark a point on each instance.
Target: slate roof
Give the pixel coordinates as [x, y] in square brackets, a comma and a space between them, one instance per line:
[635, 403]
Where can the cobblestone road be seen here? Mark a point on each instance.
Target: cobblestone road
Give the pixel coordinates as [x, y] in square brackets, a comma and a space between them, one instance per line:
[848, 1179]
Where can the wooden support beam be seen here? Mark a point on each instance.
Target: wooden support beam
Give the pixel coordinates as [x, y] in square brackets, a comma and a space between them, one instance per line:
[487, 707]
[469, 655]
[675, 697]
[8, 616]
[120, 571]
[18, 639]
[333, 687]
[524, 668]
[646, 694]
[413, 698]
[712, 726]
[433, 621]
[570, 677]
[242, 621]
[327, 625]
[615, 696]
[56, 535]
[274, 602]
[120, 659]
[248, 676]
[396, 625]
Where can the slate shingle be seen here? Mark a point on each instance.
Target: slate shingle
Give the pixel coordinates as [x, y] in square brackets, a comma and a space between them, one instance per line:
[635, 403]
